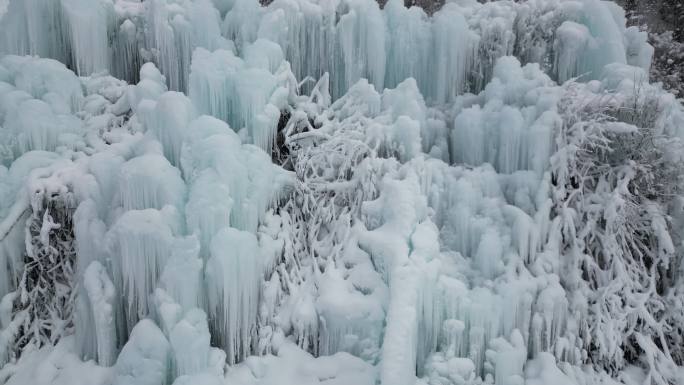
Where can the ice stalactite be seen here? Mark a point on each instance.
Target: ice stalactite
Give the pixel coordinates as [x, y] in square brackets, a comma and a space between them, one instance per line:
[87, 29]
[100, 297]
[244, 93]
[523, 142]
[213, 150]
[126, 54]
[485, 33]
[167, 32]
[361, 35]
[139, 244]
[208, 208]
[175, 28]
[452, 58]
[34, 27]
[409, 46]
[182, 276]
[233, 274]
[113, 36]
[168, 120]
[149, 182]
[571, 41]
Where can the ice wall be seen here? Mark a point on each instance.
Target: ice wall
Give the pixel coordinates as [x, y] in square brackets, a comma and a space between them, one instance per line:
[348, 39]
[368, 186]
[511, 124]
[248, 94]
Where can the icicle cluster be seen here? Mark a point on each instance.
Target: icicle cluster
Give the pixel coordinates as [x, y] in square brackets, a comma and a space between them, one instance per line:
[315, 191]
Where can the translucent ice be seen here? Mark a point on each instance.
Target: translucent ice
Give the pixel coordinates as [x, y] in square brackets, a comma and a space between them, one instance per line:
[233, 273]
[145, 359]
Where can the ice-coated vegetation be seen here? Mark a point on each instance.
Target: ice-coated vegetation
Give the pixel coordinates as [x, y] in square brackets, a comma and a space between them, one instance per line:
[204, 192]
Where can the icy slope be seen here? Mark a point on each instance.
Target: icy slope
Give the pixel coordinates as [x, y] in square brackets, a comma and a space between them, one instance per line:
[330, 192]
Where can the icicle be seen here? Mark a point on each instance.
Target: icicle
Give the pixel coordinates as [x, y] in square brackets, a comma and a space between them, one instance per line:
[222, 85]
[233, 274]
[361, 36]
[552, 306]
[168, 122]
[208, 208]
[34, 27]
[174, 30]
[170, 37]
[190, 344]
[182, 274]
[512, 126]
[167, 312]
[572, 40]
[87, 25]
[101, 299]
[453, 53]
[149, 181]
[37, 128]
[408, 45]
[264, 54]
[126, 58]
[245, 171]
[139, 244]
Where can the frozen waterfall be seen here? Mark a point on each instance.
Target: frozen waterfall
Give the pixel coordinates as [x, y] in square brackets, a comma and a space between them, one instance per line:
[331, 191]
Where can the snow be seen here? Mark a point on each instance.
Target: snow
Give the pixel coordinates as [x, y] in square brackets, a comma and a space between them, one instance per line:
[543, 370]
[58, 365]
[145, 358]
[293, 366]
[41, 76]
[334, 192]
[190, 344]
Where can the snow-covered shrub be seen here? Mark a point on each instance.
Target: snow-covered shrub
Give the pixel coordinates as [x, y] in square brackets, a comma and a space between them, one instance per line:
[668, 62]
[45, 298]
[613, 181]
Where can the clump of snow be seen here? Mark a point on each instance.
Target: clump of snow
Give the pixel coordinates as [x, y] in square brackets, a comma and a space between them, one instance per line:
[58, 365]
[145, 359]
